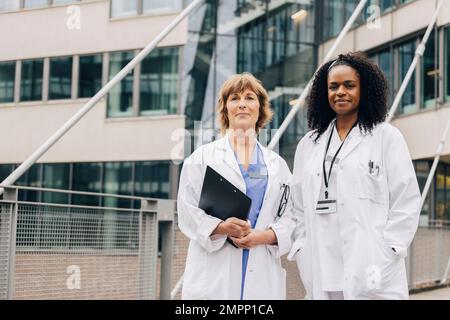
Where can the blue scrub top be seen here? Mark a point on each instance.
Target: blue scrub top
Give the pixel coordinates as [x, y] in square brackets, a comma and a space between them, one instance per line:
[255, 178]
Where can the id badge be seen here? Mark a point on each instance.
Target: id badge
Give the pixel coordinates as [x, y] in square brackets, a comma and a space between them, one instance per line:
[262, 174]
[326, 207]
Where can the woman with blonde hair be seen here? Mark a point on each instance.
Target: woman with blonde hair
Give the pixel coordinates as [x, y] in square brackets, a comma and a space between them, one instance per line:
[251, 269]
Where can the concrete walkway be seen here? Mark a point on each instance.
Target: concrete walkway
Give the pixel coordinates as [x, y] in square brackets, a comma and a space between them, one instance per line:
[438, 294]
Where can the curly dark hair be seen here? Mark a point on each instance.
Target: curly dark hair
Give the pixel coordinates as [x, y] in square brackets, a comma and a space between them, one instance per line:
[374, 90]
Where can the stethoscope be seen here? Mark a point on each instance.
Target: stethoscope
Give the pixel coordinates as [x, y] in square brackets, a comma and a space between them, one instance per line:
[284, 199]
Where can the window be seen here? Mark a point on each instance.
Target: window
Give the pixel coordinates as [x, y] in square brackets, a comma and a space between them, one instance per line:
[152, 179]
[271, 39]
[430, 74]
[31, 178]
[34, 3]
[386, 65]
[159, 82]
[5, 171]
[64, 1]
[7, 78]
[118, 179]
[120, 98]
[153, 6]
[60, 78]
[386, 5]
[90, 76]
[126, 8]
[9, 5]
[86, 177]
[56, 176]
[334, 18]
[447, 62]
[123, 8]
[440, 192]
[31, 81]
[406, 54]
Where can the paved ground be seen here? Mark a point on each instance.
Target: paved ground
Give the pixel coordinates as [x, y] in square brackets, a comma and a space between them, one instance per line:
[438, 294]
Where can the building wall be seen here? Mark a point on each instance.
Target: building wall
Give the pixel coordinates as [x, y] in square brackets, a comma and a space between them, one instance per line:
[26, 125]
[423, 132]
[98, 32]
[94, 138]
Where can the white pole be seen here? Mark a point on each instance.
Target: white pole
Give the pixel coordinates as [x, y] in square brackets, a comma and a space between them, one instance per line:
[16, 174]
[418, 55]
[300, 100]
[445, 277]
[177, 288]
[435, 164]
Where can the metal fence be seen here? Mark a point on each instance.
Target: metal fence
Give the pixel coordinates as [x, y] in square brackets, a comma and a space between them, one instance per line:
[62, 251]
[59, 251]
[428, 260]
[429, 255]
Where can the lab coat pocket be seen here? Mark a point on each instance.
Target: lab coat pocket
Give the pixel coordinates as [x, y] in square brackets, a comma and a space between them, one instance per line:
[386, 249]
[372, 186]
[387, 261]
[304, 267]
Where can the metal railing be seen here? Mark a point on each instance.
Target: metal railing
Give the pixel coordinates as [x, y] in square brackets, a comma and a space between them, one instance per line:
[428, 256]
[67, 251]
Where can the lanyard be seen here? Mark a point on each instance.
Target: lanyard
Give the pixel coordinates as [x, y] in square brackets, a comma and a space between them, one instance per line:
[326, 178]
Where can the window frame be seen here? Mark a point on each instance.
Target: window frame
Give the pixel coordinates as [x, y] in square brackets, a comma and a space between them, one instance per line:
[446, 64]
[14, 63]
[72, 62]
[140, 10]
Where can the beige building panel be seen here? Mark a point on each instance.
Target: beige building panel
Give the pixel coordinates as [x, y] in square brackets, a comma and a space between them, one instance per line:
[367, 37]
[94, 138]
[24, 35]
[346, 45]
[423, 132]
[414, 16]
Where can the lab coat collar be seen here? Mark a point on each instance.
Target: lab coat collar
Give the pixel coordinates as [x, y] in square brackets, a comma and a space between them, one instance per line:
[351, 145]
[230, 159]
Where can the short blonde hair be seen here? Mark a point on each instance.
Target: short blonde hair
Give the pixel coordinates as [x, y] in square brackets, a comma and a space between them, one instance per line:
[237, 84]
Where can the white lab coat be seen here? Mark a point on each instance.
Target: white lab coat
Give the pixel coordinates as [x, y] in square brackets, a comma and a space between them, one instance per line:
[213, 266]
[376, 213]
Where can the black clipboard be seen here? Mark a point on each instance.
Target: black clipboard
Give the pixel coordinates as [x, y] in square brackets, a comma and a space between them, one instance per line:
[221, 199]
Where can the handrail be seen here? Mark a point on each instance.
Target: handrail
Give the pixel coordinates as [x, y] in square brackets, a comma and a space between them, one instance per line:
[439, 150]
[86, 193]
[19, 171]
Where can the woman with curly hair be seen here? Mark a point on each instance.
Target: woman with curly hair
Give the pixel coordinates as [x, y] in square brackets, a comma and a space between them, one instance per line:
[354, 189]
